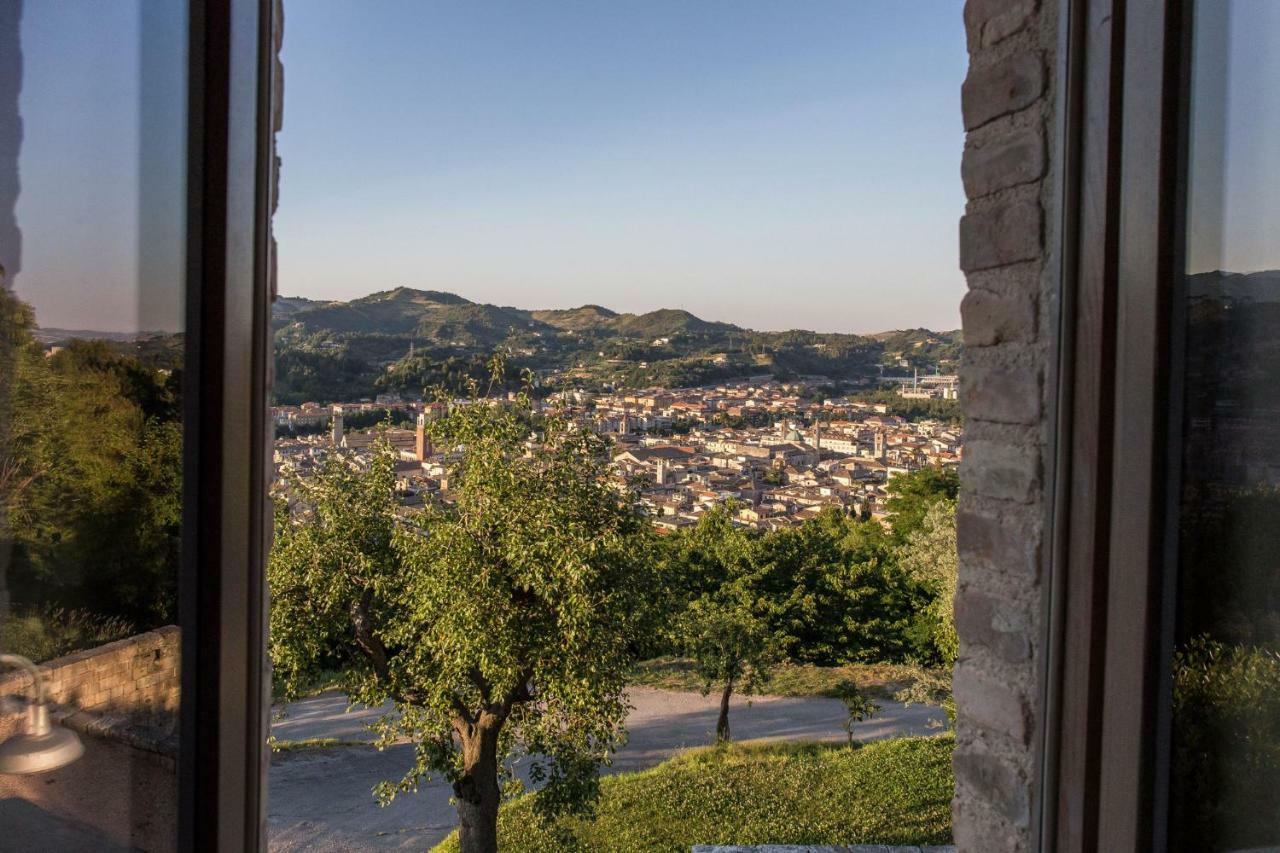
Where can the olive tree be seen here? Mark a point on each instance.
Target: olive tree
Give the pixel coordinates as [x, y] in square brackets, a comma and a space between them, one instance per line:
[499, 620]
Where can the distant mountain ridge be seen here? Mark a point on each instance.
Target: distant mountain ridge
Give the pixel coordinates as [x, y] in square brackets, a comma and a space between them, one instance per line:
[405, 340]
[438, 315]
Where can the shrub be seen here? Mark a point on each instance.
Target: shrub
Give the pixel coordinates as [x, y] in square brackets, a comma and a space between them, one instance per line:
[1226, 717]
[41, 635]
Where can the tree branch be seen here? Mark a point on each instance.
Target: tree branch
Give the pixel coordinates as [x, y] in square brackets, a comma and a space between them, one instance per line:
[366, 639]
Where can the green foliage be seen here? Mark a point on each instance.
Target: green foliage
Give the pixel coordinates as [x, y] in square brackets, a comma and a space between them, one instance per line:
[890, 792]
[912, 495]
[857, 706]
[52, 632]
[502, 621]
[932, 687]
[914, 410]
[1226, 766]
[831, 586]
[731, 645]
[878, 680]
[91, 475]
[929, 557]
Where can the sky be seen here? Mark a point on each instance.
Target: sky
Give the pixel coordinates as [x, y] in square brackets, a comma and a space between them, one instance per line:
[765, 162]
[102, 164]
[1234, 175]
[772, 163]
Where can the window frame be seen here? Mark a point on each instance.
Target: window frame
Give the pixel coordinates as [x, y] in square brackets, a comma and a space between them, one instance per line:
[226, 513]
[1114, 540]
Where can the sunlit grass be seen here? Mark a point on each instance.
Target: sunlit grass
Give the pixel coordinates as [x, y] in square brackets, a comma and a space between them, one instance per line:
[889, 792]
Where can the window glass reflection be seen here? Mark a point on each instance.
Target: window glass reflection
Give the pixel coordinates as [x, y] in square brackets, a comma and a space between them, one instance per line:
[1226, 687]
[92, 196]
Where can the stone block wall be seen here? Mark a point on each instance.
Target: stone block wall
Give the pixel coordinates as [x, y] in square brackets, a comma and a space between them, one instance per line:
[138, 677]
[122, 794]
[1009, 257]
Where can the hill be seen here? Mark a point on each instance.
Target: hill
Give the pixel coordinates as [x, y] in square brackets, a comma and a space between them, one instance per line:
[405, 340]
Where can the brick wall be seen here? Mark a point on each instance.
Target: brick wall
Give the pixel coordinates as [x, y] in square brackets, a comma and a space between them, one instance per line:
[1008, 256]
[138, 678]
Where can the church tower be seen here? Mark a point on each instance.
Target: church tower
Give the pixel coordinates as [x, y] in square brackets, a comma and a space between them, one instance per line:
[336, 434]
[879, 445]
[421, 442]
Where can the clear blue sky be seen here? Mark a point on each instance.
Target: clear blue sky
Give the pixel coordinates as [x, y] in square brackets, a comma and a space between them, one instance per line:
[772, 163]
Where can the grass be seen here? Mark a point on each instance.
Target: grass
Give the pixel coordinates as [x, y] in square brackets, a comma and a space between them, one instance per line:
[877, 680]
[278, 745]
[889, 792]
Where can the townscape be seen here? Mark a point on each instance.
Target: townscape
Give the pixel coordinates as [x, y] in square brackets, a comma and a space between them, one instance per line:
[764, 449]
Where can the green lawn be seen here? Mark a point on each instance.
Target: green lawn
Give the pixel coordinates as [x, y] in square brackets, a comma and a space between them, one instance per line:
[877, 680]
[889, 792]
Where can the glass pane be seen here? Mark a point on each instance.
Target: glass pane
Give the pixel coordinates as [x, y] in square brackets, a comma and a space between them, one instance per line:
[713, 246]
[1226, 759]
[92, 234]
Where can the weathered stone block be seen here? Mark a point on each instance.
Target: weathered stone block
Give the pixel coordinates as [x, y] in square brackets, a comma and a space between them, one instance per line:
[990, 22]
[1001, 471]
[1004, 162]
[992, 318]
[989, 703]
[1012, 84]
[994, 781]
[1007, 395]
[1003, 543]
[975, 615]
[1006, 234]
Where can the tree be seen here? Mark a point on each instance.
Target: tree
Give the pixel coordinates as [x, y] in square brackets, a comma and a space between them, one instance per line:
[857, 706]
[732, 647]
[500, 621]
[929, 556]
[911, 496]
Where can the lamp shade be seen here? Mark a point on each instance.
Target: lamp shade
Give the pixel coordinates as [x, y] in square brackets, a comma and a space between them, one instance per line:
[41, 746]
[37, 753]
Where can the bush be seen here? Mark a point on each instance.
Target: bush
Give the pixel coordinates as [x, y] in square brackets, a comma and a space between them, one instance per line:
[890, 792]
[1226, 717]
[53, 632]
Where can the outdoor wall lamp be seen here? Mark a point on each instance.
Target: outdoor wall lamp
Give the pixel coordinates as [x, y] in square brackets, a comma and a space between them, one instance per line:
[41, 746]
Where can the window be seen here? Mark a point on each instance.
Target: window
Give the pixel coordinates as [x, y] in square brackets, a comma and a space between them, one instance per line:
[92, 351]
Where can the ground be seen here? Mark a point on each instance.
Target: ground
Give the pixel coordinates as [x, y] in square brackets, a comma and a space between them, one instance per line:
[891, 792]
[320, 798]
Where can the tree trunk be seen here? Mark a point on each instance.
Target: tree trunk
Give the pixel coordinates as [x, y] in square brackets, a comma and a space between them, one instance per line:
[722, 725]
[477, 792]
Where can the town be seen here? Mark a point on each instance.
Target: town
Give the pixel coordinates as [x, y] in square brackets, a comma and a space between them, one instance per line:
[767, 450]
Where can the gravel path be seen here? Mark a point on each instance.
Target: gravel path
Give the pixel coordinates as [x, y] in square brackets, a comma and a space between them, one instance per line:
[320, 799]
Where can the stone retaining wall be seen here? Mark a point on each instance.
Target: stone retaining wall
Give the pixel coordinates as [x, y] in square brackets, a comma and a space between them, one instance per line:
[122, 794]
[138, 677]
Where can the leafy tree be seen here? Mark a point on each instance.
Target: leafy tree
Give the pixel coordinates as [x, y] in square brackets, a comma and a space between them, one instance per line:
[90, 473]
[731, 646]
[501, 621]
[912, 494]
[929, 556]
[836, 590]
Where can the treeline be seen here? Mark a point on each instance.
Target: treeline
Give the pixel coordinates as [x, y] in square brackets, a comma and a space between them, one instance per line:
[834, 590]
[90, 474]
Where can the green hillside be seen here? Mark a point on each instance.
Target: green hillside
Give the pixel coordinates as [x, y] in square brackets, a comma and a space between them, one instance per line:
[407, 341]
